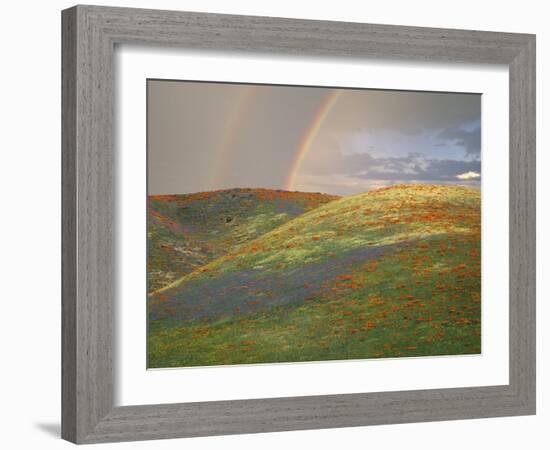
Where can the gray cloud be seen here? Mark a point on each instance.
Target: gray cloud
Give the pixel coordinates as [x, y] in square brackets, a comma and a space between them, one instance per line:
[413, 167]
[333, 161]
[469, 139]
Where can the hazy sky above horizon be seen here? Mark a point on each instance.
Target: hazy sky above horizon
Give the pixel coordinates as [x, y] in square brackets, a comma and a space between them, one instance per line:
[208, 136]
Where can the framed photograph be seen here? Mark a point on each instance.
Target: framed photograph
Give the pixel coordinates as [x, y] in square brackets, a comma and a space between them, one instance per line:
[292, 223]
[278, 224]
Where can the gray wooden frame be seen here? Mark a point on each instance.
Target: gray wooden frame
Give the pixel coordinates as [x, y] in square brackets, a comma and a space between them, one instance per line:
[89, 36]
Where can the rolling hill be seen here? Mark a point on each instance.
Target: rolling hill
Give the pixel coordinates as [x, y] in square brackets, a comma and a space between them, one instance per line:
[188, 231]
[391, 272]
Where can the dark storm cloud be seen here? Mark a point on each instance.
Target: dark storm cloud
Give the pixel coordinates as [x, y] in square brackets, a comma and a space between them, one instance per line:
[470, 140]
[410, 112]
[414, 168]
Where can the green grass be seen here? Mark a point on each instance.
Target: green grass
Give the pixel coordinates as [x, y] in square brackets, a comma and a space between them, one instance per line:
[187, 231]
[421, 296]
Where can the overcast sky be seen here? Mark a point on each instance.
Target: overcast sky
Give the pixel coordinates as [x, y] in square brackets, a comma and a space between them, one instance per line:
[207, 136]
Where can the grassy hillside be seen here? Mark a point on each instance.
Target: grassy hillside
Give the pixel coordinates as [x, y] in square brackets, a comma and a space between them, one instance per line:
[188, 231]
[392, 272]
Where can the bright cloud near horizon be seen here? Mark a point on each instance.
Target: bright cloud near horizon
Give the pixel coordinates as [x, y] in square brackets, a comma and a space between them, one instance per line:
[468, 175]
[208, 136]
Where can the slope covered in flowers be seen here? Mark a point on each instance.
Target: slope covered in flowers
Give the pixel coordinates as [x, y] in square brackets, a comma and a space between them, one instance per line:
[392, 272]
[188, 231]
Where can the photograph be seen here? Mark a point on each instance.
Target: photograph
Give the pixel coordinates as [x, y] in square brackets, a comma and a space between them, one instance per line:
[303, 223]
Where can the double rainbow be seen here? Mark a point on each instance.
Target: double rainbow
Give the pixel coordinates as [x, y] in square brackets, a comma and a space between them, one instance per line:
[235, 122]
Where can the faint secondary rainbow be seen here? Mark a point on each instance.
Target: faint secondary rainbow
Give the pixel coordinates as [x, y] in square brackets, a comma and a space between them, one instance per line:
[233, 125]
[309, 137]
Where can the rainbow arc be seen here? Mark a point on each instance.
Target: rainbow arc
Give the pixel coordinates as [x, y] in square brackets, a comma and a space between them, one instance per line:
[309, 136]
[233, 126]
